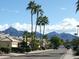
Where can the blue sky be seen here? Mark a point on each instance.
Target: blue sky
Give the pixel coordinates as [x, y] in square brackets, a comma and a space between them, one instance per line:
[14, 12]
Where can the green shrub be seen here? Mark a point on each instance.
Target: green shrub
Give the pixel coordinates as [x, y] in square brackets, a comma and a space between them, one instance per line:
[28, 49]
[55, 41]
[75, 48]
[68, 46]
[77, 52]
[18, 50]
[5, 50]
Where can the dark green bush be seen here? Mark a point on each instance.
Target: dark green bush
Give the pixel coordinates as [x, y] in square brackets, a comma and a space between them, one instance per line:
[21, 49]
[77, 52]
[5, 50]
[68, 46]
[28, 49]
[75, 48]
[18, 50]
[55, 41]
[43, 48]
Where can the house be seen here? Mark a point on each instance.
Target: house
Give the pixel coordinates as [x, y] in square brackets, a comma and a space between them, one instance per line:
[9, 41]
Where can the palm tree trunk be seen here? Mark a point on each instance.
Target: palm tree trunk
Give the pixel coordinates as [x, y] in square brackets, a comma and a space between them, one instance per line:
[31, 25]
[43, 30]
[43, 35]
[36, 24]
[35, 30]
[40, 32]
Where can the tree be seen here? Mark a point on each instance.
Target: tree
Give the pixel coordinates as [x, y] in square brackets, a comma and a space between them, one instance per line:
[45, 36]
[38, 11]
[77, 5]
[44, 22]
[32, 43]
[26, 35]
[55, 41]
[67, 44]
[75, 43]
[39, 23]
[31, 7]
[46, 41]
[35, 44]
[24, 44]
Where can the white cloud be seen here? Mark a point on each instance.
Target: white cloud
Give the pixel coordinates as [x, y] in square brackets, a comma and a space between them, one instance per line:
[67, 25]
[21, 27]
[3, 27]
[24, 26]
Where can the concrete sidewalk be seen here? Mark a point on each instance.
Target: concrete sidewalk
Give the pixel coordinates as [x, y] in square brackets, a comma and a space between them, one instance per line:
[2, 57]
[68, 55]
[39, 51]
[23, 54]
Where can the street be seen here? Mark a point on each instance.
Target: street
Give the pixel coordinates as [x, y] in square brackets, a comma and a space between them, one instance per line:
[52, 54]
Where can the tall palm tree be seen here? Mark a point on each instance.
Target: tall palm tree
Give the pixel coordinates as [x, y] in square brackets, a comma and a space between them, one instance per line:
[38, 11]
[44, 22]
[39, 23]
[31, 7]
[77, 6]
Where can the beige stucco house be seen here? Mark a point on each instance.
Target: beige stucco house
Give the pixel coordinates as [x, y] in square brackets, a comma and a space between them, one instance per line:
[9, 41]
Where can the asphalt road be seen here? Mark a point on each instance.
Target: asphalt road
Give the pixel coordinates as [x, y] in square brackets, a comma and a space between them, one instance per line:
[52, 54]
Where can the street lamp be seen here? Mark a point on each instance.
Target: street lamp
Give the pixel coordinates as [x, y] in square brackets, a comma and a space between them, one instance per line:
[77, 29]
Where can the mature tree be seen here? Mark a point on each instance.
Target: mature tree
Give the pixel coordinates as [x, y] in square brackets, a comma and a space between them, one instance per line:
[24, 45]
[39, 23]
[45, 36]
[38, 12]
[67, 44]
[31, 7]
[44, 22]
[26, 35]
[77, 5]
[55, 41]
[75, 42]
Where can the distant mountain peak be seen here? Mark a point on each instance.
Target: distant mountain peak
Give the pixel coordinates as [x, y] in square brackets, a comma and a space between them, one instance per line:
[11, 28]
[13, 32]
[63, 35]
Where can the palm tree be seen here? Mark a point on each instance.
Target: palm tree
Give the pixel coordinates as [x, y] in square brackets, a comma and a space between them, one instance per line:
[77, 6]
[38, 11]
[39, 23]
[44, 22]
[31, 7]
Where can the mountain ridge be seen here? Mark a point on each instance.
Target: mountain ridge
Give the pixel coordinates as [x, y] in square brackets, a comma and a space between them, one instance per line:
[14, 32]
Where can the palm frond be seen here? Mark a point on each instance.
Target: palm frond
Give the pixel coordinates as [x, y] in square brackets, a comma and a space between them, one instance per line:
[77, 6]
